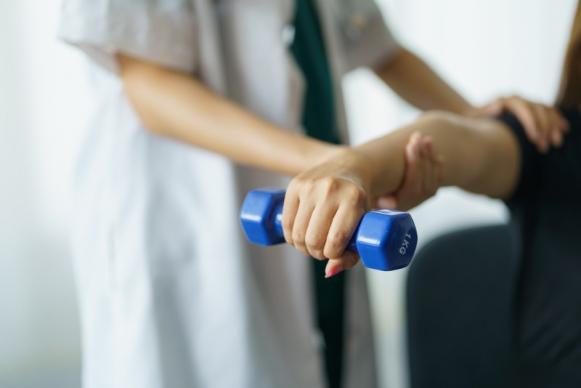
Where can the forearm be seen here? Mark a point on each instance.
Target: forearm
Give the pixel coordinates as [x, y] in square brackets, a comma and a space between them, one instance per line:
[478, 155]
[414, 81]
[178, 106]
[324, 205]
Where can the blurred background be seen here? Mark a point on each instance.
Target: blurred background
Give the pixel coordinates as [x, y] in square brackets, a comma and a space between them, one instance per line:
[484, 48]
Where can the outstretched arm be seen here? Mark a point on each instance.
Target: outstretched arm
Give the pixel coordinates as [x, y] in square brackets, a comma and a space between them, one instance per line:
[479, 155]
[176, 105]
[323, 205]
[417, 83]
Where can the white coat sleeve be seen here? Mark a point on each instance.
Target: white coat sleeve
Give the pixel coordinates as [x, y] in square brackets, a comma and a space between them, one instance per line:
[160, 31]
[367, 40]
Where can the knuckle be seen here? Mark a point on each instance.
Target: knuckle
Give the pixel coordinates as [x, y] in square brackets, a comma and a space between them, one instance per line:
[331, 252]
[287, 224]
[307, 186]
[316, 254]
[315, 244]
[329, 255]
[298, 239]
[294, 184]
[302, 250]
[357, 194]
[338, 240]
[328, 185]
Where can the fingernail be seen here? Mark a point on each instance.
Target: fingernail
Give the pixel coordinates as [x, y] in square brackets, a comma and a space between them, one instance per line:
[330, 272]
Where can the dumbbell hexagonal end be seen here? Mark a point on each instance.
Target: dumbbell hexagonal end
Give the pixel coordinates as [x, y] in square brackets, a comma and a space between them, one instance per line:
[386, 240]
[258, 216]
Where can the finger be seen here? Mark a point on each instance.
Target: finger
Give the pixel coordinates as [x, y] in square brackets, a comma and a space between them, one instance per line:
[543, 118]
[419, 152]
[427, 170]
[556, 138]
[559, 125]
[429, 144]
[318, 229]
[438, 163]
[342, 228]
[349, 260]
[289, 212]
[411, 149]
[333, 267]
[539, 136]
[545, 126]
[336, 266]
[559, 119]
[430, 177]
[559, 129]
[300, 226]
[412, 156]
[527, 118]
[412, 183]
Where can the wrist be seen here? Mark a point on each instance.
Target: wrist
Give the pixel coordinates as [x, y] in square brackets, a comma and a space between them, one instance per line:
[355, 165]
[319, 152]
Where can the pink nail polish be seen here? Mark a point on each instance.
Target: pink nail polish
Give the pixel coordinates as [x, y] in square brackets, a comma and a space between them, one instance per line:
[329, 273]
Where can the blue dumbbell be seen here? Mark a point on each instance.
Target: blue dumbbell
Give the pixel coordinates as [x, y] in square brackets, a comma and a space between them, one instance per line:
[385, 240]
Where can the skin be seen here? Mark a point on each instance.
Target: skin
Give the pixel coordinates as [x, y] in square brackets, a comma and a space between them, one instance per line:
[410, 77]
[176, 105]
[415, 82]
[324, 204]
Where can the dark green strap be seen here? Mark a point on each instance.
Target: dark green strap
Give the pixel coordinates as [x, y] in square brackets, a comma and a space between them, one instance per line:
[319, 121]
[308, 48]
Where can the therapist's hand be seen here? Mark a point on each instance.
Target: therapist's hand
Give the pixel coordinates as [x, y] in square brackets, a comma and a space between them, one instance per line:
[423, 175]
[323, 206]
[544, 125]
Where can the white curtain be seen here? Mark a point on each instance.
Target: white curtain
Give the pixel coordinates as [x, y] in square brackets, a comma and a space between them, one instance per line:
[484, 49]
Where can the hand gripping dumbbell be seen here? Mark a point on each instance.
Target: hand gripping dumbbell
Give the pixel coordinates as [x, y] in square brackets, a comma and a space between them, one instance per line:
[385, 240]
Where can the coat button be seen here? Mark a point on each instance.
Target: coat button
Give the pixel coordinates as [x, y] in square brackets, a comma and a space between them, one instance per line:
[288, 34]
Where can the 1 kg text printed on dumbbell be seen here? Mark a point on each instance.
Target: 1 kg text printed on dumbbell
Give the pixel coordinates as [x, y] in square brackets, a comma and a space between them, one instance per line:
[385, 240]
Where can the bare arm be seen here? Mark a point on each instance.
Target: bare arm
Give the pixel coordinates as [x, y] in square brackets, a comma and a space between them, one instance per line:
[176, 105]
[414, 81]
[479, 155]
[323, 205]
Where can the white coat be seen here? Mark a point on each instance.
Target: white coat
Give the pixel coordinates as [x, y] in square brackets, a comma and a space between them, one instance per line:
[171, 295]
